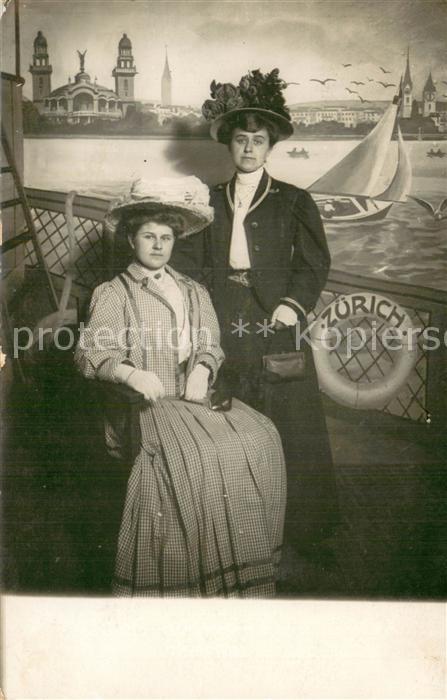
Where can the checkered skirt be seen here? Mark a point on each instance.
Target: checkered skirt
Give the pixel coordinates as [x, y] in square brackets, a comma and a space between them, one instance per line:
[205, 503]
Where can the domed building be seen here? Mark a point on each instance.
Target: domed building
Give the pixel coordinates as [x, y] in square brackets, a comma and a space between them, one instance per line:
[82, 100]
[41, 71]
[124, 73]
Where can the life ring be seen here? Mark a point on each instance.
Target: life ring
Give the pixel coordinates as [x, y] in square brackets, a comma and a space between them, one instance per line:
[339, 387]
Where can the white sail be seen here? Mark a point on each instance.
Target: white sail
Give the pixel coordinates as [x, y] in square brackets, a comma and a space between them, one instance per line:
[400, 185]
[357, 173]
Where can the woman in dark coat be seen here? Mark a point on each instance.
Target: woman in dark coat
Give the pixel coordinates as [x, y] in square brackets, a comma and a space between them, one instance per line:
[268, 259]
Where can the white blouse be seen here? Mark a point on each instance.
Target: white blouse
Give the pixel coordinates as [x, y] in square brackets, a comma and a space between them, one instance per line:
[244, 191]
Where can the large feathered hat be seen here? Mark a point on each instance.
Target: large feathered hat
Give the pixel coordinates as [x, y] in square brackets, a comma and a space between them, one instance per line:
[257, 93]
[187, 197]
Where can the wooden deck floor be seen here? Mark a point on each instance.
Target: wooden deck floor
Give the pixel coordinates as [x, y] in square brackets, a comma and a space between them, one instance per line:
[61, 509]
[393, 539]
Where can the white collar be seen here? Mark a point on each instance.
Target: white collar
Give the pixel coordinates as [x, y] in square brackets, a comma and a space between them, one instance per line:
[250, 179]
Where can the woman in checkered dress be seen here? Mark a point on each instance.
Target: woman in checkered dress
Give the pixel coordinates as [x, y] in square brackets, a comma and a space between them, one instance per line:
[205, 500]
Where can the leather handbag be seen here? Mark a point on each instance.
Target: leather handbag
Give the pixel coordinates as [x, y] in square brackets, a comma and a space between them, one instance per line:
[284, 367]
[216, 400]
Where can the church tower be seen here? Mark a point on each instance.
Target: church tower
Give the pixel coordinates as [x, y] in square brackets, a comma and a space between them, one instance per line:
[429, 97]
[407, 90]
[41, 71]
[124, 73]
[166, 84]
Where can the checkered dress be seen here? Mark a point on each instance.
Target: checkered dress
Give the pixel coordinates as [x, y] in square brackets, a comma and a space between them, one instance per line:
[205, 501]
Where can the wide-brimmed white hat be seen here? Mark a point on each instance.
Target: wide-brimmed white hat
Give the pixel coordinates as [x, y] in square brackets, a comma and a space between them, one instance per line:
[187, 197]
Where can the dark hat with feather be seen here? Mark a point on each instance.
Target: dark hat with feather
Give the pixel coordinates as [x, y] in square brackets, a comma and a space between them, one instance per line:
[256, 92]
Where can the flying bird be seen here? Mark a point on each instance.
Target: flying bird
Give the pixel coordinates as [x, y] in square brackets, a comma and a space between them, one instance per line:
[352, 92]
[386, 85]
[362, 99]
[357, 82]
[346, 65]
[323, 82]
[436, 213]
[384, 70]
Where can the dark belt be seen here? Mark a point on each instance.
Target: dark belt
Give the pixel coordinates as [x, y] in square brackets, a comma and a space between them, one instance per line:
[242, 277]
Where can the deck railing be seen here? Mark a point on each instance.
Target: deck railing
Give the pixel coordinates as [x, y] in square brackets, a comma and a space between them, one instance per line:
[422, 400]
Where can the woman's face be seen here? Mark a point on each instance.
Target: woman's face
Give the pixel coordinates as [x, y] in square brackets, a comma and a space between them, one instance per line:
[152, 245]
[249, 149]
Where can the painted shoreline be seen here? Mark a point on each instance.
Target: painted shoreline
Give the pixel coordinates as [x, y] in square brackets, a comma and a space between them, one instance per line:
[170, 137]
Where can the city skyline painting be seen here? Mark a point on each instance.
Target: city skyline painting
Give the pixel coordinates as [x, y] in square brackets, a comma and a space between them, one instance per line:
[309, 42]
[174, 55]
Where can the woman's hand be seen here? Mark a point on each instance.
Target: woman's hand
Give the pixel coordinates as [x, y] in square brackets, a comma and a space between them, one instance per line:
[146, 383]
[282, 317]
[197, 383]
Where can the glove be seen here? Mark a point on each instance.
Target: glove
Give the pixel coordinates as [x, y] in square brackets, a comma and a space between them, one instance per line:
[283, 316]
[197, 383]
[146, 383]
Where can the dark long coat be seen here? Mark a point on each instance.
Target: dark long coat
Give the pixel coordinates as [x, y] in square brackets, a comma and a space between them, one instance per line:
[289, 265]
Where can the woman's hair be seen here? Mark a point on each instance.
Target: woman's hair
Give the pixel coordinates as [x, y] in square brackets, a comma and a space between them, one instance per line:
[131, 222]
[247, 121]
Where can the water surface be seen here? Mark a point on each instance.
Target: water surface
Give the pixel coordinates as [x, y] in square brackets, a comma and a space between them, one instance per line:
[407, 246]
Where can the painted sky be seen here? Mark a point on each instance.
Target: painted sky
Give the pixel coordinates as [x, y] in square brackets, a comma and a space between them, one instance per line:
[222, 40]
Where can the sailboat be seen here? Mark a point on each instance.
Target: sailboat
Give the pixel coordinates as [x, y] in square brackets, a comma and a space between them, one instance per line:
[350, 190]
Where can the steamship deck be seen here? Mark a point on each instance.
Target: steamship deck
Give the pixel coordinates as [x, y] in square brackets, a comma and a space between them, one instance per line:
[63, 498]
